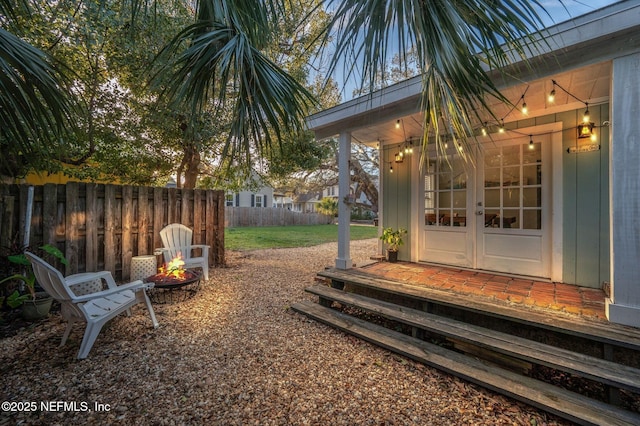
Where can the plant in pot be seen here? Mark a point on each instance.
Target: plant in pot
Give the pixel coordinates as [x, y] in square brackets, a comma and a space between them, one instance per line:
[35, 304]
[393, 239]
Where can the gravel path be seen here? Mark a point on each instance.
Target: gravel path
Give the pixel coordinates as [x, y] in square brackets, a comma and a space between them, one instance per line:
[235, 354]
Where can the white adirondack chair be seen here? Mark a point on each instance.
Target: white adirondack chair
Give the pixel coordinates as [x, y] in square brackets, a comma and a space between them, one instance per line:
[178, 239]
[82, 299]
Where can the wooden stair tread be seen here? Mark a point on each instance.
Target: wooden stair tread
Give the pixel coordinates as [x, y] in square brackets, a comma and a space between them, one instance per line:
[564, 403]
[607, 372]
[601, 331]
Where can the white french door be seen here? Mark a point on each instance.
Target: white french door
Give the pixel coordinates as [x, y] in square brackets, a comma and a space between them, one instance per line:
[512, 207]
[495, 216]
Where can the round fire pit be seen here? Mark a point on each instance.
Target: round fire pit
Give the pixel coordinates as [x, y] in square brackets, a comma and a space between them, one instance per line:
[169, 289]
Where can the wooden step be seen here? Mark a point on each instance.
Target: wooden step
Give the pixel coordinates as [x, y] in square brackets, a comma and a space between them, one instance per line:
[609, 373]
[595, 330]
[566, 404]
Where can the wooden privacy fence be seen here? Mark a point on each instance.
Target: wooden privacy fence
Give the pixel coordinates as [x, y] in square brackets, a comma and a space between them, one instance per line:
[101, 227]
[271, 216]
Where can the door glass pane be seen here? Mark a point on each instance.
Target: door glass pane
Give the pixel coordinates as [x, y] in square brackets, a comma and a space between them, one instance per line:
[460, 199]
[532, 197]
[511, 155]
[532, 219]
[511, 218]
[532, 153]
[491, 218]
[532, 175]
[492, 157]
[511, 176]
[491, 177]
[444, 199]
[511, 197]
[444, 181]
[430, 217]
[492, 197]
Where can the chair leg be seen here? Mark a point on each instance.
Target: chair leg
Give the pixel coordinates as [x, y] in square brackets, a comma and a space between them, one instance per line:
[152, 313]
[205, 271]
[67, 331]
[90, 335]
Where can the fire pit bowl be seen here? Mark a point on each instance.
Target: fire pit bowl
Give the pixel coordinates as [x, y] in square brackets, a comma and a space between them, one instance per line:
[170, 289]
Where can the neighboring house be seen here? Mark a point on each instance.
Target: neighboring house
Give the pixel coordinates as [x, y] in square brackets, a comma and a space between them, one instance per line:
[306, 203]
[281, 201]
[540, 201]
[361, 201]
[260, 198]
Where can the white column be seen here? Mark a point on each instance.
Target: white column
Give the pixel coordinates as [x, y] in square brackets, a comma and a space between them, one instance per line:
[343, 261]
[623, 306]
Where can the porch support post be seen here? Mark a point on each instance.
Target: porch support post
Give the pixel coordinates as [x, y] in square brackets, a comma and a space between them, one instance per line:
[344, 210]
[623, 305]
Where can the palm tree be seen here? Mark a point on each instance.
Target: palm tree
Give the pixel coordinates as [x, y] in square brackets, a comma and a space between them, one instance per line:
[220, 60]
[35, 106]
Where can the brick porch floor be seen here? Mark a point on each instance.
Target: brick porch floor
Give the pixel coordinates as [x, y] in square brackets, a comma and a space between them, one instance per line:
[588, 302]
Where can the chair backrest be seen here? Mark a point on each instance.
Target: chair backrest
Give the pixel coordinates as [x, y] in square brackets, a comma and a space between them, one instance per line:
[177, 238]
[49, 278]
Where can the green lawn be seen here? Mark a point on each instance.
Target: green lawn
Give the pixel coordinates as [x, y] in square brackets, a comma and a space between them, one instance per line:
[252, 238]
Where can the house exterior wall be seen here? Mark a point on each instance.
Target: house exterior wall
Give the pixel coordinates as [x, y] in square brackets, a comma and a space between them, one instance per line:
[396, 205]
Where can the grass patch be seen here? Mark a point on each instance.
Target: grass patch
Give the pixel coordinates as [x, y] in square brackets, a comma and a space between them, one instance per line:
[253, 238]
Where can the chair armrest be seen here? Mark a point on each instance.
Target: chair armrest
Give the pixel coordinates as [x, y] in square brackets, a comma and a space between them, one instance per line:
[135, 286]
[202, 246]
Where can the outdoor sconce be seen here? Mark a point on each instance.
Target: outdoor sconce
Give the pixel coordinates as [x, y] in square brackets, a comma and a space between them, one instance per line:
[585, 130]
[399, 157]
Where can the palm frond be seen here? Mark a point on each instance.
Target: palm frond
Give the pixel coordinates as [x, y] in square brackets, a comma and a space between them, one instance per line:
[35, 107]
[455, 42]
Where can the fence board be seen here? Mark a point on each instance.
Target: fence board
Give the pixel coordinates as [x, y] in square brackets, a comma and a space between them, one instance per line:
[91, 224]
[126, 229]
[158, 210]
[71, 227]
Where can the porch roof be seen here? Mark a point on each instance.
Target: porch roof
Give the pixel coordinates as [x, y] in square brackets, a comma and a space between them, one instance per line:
[577, 53]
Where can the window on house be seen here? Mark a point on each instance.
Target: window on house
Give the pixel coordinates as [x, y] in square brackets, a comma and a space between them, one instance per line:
[258, 200]
[229, 200]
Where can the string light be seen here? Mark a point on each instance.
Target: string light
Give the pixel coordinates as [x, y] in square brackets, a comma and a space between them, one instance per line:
[397, 124]
[531, 146]
[524, 108]
[586, 117]
[552, 94]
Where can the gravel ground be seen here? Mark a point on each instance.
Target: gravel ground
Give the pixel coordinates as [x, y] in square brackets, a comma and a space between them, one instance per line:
[235, 354]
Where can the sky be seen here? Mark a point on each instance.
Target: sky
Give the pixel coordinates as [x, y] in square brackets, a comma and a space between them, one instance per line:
[575, 8]
[558, 11]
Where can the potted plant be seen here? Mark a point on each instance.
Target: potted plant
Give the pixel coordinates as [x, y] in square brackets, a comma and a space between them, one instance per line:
[393, 239]
[35, 304]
